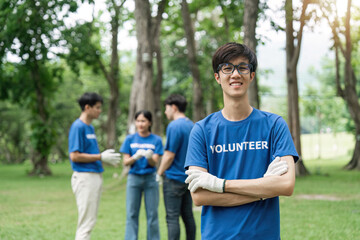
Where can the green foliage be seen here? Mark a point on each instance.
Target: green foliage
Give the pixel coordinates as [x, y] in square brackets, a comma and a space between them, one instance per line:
[83, 42]
[210, 33]
[34, 34]
[14, 133]
[321, 106]
[31, 32]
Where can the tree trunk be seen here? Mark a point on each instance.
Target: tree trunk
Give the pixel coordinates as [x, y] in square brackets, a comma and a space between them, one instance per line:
[143, 89]
[250, 18]
[292, 57]
[158, 128]
[113, 81]
[113, 76]
[40, 166]
[348, 93]
[226, 21]
[198, 108]
[355, 160]
[43, 146]
[354, 109]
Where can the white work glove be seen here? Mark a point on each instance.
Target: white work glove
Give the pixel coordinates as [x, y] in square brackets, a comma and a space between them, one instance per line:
[139, 154]
[111, 157]
[159, 179]
[200, 179]
[148, 154]
[276, 168]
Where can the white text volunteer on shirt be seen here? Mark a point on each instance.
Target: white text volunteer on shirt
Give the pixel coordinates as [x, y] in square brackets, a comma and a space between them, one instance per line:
[232, 147]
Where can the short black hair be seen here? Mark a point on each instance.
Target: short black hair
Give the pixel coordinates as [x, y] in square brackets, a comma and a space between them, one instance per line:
[89, 98]
[178, 100]
[147, 114]
[231, 51]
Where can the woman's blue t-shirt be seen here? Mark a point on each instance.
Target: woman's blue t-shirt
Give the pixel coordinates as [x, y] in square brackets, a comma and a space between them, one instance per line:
[135, 142]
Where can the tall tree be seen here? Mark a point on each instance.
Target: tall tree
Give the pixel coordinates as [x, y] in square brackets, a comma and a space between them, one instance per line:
[112, 75]
[143, 90]
[158, 128]
[83, 40]
[346, 85]
[31, 31]
[250, 19]
[293, 46]
[198, 108]
[214, 23]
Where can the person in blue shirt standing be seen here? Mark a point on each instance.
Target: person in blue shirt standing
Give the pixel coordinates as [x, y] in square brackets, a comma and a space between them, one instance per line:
[142, 151]
[86, 162]
[177, 197]
[239, 159]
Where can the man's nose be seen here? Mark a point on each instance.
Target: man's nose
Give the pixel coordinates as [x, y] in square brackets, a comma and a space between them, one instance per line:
[236, 72]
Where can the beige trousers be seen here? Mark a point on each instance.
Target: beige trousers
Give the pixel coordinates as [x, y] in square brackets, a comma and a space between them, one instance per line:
[87, 189]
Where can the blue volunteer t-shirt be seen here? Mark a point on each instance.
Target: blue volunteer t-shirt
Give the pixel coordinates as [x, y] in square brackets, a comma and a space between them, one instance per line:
[82, 138]
[135, 142]
[177, 138]
[240, 150]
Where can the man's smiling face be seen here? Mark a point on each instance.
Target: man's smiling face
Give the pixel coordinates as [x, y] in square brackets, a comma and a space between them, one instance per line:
[235, 84]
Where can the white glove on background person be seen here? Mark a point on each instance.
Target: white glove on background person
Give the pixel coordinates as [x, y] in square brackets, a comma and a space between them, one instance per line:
[139, 154]
[199, 179]
[276, 168]
[148, 153]
[159, 179]
[109, 156]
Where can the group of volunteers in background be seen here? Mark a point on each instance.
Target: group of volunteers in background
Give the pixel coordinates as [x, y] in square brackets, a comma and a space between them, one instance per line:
[235, 163]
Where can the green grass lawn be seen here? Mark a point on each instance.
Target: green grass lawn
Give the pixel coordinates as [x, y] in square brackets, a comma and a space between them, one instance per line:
[325, 205]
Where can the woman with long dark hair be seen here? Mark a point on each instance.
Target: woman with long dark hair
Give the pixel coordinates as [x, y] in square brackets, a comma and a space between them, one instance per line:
[142, 151]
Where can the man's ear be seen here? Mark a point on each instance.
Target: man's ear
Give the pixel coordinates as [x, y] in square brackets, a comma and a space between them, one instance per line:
[174, 107]
[252, 76]
[87, 106]
[217, 78]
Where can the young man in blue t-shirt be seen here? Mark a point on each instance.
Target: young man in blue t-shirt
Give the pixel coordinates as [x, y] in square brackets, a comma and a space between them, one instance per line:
[239, 159]
[177, 197]
[86, 162]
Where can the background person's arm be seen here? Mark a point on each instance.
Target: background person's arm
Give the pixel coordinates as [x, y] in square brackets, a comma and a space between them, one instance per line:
[128, 160]
[153, 160]
[84, 157]
[166, 162]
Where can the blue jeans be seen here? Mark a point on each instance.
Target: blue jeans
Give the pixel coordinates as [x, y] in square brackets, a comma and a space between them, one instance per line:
[178, 203]
[136, 185]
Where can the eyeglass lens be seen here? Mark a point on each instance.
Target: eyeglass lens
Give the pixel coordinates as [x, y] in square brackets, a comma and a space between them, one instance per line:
[228, 68]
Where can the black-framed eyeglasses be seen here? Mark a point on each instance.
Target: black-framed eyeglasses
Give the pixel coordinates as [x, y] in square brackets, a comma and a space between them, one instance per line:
[229, 68]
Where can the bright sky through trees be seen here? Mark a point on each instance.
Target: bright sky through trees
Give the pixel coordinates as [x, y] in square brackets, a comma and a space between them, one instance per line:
[316, 43]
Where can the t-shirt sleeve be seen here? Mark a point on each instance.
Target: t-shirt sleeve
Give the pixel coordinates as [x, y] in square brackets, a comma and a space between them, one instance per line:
[125, 147]
[76, 142]
[196, 153]
[159, 148]
[172, 139]
[283, 142]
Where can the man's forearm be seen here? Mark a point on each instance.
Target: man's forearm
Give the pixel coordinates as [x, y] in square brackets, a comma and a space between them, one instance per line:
[204, 197]
[84, 157]
[166, 162]
[153, 160]
[265, 187]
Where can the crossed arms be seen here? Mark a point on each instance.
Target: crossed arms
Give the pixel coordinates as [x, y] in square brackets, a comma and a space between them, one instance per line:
[239, 192]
